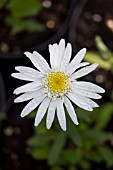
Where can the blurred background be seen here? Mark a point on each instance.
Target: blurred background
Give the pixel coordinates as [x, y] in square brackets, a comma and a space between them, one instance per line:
[31, 25]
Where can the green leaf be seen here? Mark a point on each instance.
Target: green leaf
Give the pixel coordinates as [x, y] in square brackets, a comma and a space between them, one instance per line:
[71, 156]
[104, 50]
[95, 135]
[40, 153]
[85, 165]
[20, 15]
[33, 141]
[74, 134]
[20, 25]
[104, 114]
[107, 154]
[82, 114]
[56, 148]
[55, 167]
[111, 61]
[41, 139]
[92, 57]
[1, 3]
[72, 167]
[22, 9]
[95, 156]
[101, 46]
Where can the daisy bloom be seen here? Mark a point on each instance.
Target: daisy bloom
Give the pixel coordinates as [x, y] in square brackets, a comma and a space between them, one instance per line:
[52, 88]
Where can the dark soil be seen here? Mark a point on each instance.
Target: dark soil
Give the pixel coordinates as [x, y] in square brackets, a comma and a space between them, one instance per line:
[96, 19]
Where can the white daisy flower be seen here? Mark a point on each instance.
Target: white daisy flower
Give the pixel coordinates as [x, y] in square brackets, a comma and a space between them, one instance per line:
[52, 88]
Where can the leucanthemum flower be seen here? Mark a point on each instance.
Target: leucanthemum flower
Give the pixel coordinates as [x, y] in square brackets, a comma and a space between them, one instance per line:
[52, 88]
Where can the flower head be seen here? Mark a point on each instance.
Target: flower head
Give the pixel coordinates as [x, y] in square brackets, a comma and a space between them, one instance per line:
[52, 88]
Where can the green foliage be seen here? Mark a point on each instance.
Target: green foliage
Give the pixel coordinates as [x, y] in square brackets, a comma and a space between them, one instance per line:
[1, 3]
[21, 25]
[106, 154]
[79, 145]
[104, 115]
[95, 135]
[93, 57]
[21, 16]
[102, 48]
[57, 147]
[72, 130]
[41, 153]
[21, 9]
[104, 56]
[71, 156]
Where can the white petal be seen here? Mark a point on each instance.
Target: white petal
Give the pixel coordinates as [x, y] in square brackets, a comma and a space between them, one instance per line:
[81, 65]
[38, 61]
[28, 87]
[42, 110]
[86, 93]
[84, 71]
[29, 71]
[51, 113]
[23, 97]
[76, 60]
[61, 49]
[61, 114]
[28, 96]
[79, 101]
[23, 77]
[31, 106]
[53, 49]
[88, 86]
[70, 110]
[67, 56]
[90, 102]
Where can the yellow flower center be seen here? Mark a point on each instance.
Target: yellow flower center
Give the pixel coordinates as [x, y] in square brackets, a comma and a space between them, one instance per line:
[57, 83]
